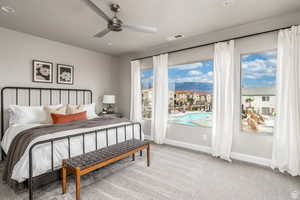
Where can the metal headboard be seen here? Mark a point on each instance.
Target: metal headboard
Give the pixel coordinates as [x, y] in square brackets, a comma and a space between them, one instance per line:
[40, 91]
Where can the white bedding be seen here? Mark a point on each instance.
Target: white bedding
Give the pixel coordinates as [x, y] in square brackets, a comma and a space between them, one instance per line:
[42, 153]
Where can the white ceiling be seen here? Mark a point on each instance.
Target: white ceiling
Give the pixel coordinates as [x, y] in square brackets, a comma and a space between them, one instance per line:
[71, 22]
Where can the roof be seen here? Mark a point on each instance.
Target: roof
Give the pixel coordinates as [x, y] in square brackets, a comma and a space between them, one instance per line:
[146, 90]
[189, 92]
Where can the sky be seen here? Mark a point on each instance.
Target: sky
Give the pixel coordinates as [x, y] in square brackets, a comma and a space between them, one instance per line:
[147, 78]
[258, 70]
[195, 72]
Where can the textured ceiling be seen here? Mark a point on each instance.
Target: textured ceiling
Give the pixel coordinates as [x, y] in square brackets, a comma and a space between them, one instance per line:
[71, 22]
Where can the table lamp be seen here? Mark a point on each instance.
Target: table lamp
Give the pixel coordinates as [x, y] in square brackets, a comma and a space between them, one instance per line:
[109, 100]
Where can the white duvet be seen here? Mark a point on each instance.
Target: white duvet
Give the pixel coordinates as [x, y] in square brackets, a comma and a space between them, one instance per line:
[42, 153]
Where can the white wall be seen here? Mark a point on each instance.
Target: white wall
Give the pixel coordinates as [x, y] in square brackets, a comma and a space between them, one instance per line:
[95, 71]
[244, 143]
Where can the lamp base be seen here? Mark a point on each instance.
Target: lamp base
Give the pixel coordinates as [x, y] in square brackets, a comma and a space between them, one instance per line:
[108, 110]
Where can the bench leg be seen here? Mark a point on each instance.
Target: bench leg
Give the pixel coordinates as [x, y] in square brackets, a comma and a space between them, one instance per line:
[133, 157]
[148, 156]
[64, 178]
[77, 177]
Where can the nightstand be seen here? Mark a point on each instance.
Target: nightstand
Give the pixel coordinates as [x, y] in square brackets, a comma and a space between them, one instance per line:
[115, 115]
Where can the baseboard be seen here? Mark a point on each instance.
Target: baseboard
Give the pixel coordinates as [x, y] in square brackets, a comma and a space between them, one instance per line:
[148, 137]
[234, 155]
[188, 146]
[251, 159]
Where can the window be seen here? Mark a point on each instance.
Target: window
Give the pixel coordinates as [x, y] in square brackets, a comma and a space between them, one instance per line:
[147, 91]
[258, 77]
[265, 98]
[266, 111]
[190, 94]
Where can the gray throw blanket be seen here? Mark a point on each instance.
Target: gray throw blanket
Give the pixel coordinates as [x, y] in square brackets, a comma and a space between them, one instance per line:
[22, 140]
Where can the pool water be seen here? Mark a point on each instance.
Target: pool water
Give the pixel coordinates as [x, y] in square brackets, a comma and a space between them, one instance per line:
[193, 119]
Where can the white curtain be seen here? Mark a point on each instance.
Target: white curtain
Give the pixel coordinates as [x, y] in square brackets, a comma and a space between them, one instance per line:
[286, 144]
[160, 98]
[136, 97]
[225, 100]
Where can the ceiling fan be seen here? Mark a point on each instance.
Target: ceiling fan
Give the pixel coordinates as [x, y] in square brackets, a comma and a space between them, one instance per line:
[114, 23]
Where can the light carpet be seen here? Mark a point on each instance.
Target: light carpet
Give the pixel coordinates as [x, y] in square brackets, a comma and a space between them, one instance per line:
[174, 174]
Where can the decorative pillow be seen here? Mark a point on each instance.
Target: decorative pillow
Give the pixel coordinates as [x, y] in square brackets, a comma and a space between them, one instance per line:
[72, 109]
[26, 114]
[89, 108]
[60, 118]
[58, 109]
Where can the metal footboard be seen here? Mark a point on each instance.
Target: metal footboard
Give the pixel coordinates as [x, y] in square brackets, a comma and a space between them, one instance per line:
[51, 141]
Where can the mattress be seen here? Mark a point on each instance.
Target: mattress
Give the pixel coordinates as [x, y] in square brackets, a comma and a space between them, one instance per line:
[42, 153]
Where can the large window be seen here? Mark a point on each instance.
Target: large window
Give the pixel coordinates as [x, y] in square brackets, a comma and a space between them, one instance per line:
[147, 91]
[258, 77]
[190, 94]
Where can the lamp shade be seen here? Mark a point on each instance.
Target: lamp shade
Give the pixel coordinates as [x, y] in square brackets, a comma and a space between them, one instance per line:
[108, 99]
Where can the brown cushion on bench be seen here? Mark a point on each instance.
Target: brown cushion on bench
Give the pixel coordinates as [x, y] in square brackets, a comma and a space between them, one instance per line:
[94, 157]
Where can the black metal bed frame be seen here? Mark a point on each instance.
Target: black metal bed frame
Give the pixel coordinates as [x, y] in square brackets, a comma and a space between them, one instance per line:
[30, 186]
[30, 89]
[68, 138]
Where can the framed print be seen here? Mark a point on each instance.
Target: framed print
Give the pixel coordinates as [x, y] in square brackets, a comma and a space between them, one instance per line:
[42, 71]
[65, 74]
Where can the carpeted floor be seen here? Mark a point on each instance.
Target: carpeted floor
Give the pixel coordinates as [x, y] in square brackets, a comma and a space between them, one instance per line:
[174, 174]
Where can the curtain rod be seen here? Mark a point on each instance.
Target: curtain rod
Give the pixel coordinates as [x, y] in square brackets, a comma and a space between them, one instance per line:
[211, 43]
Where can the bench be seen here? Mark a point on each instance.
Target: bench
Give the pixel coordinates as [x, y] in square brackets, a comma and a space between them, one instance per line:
[88, 162]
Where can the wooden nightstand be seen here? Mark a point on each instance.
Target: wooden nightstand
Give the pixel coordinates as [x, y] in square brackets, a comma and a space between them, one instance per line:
[116, 115]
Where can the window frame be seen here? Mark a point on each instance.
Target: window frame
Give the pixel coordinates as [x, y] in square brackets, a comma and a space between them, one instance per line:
[146, 119]
[213, 82]
[240, 81]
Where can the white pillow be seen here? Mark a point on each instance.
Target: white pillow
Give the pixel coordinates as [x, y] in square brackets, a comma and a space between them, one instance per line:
[89, 108]
[27, 114]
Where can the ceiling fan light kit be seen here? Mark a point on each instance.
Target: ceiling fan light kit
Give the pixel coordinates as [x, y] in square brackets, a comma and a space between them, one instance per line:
[115, 24]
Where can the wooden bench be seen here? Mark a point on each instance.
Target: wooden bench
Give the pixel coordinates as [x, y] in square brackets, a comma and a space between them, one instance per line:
[91, 161]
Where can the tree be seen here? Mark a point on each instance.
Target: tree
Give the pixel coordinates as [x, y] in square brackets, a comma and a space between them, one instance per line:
[249, 100]
[190, 100]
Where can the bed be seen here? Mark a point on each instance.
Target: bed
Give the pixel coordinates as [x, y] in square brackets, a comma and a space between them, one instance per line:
[41, 158]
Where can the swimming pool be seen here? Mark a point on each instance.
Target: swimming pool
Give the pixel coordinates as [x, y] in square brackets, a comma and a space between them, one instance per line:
[193, 119]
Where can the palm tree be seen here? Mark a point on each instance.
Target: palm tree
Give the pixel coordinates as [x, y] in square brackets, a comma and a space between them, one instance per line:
[249, 100]
[190, 102]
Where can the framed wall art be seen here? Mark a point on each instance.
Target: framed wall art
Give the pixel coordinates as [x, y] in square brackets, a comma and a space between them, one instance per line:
[42, 71]
[65, 74]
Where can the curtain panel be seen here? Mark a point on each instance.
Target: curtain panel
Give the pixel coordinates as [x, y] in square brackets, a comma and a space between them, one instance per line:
[286, 144]
[225, 100]
[160, 102]
[136, 94]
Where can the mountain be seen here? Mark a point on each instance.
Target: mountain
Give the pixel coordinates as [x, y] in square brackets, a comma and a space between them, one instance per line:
[194, 86]
[188, 86]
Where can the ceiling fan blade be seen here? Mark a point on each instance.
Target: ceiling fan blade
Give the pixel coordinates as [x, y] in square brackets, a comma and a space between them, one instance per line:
[102, 33]
[96, 9]
[144, 29]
